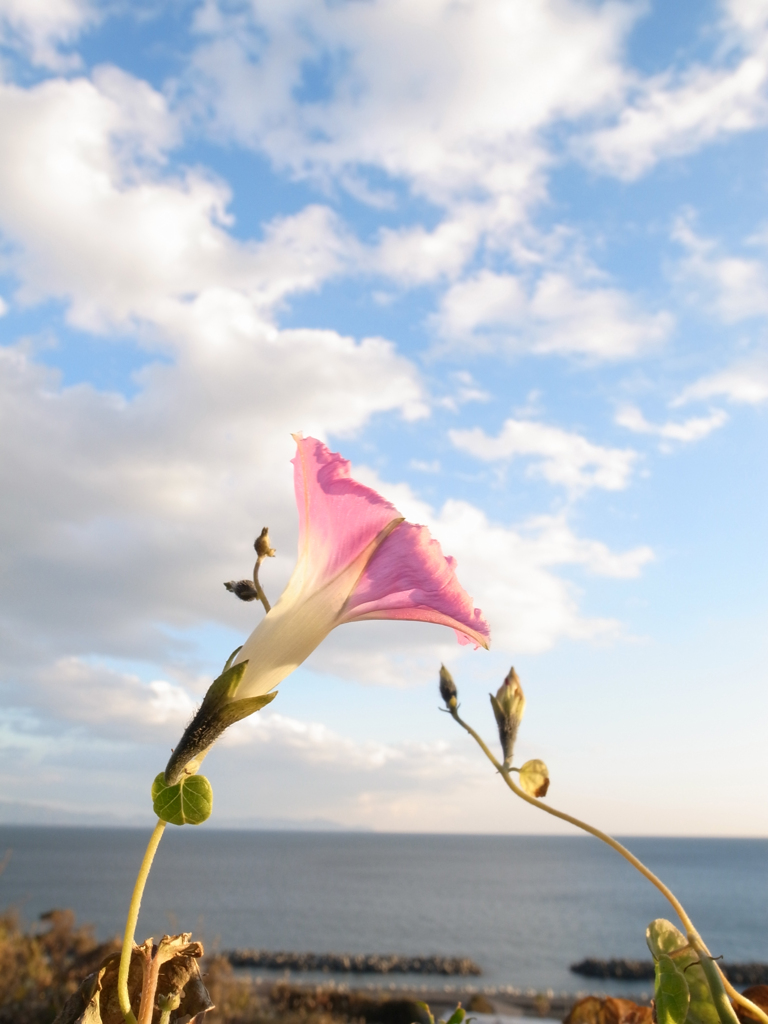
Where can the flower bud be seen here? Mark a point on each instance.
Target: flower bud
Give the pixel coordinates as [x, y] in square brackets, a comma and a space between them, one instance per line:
[168, 1002]
[262, 545]
[508, 706]
[448, 688]
[221, 708]
[244, 589]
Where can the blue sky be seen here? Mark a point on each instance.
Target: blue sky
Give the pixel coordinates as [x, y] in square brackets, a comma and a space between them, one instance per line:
[509, 258]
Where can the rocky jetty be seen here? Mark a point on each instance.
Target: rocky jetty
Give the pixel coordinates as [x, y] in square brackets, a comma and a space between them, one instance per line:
[746, 974]
[355, 963]
[642, 970]
[626, 970]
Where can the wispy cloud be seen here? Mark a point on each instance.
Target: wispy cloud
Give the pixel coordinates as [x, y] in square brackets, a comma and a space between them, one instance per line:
[683, 431]
[679, 111]
[734, 287]
[555, 315]
[745, 383]
[45, 29]
[421, 92]
[562, 458]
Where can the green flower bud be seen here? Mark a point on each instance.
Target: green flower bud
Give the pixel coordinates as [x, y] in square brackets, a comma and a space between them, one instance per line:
[169, 1001]
[220, 709]
[508, 707]
[448, 688]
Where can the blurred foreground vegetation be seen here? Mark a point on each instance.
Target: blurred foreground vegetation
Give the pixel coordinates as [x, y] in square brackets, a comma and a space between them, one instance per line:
[40, 968]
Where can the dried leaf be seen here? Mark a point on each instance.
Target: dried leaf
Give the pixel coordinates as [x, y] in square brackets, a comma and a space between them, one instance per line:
[534, 778]
[594, 1010]
[757, 994]
[96, 1000]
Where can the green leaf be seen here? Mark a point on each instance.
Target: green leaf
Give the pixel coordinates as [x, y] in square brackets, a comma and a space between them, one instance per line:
[223, 688]
[189, 802]
[424, 1007]
[534, 778]
[671, 992]
[664, 938]
[232, 657]
[238, 709]
[457, 1016]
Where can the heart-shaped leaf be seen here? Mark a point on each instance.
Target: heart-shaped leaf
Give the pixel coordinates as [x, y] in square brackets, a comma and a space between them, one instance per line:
[189, 802]
[664, 938]
[671, 992]
[534, 778]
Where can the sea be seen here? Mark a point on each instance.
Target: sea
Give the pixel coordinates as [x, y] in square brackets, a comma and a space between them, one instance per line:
[524, 907]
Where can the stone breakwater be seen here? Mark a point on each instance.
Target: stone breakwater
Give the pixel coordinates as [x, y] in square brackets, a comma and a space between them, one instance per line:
[355, 963]
[642, 970]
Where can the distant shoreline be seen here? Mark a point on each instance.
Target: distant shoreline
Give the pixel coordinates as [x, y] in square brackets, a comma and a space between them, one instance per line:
[41, 818]
[506, 1000]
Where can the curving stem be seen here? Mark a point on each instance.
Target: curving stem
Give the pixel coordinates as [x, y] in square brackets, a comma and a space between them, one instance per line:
[718, 984]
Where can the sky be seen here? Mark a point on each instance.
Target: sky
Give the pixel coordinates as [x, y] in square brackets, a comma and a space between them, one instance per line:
[510, 258]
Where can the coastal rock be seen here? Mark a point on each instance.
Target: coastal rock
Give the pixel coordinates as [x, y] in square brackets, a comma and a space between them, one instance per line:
[642, 970]
[627, 970]
[354, 963]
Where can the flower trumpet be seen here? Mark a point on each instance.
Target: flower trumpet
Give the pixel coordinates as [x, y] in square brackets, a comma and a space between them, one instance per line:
[358, 559]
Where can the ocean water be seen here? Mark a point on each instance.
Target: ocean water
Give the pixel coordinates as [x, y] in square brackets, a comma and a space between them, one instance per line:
[523, 907]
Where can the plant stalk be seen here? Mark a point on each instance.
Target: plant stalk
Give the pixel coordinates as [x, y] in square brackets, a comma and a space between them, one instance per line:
[123, 997]
[258, 586]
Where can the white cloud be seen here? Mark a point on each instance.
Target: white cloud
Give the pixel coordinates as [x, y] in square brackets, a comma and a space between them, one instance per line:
[465, 389]
[95, 695]
[562, 458]
[124, 515]
[93, 220]
[745, 383]
[447, 97]
[530, 606]
[134, 512]
[694, 429]
[157, 492]
[734, 287]
[414, 255]
[41, 27]
[313, 742]
[556, 315]
[677, 112]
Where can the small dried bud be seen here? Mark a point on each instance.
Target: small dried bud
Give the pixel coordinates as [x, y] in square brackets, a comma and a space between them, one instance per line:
[448, 689]
[508, 707]
[262, 545]
[169, 1001]
[244, 589]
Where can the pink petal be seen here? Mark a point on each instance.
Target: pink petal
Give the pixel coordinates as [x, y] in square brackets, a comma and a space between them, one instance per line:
[338, 517]
[409, 577]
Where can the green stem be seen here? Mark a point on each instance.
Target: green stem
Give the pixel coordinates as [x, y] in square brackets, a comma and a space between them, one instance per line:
[711, 970]
[715, 980]
[130, 925]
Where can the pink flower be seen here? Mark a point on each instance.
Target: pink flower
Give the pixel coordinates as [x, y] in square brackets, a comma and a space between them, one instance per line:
[358, 559]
